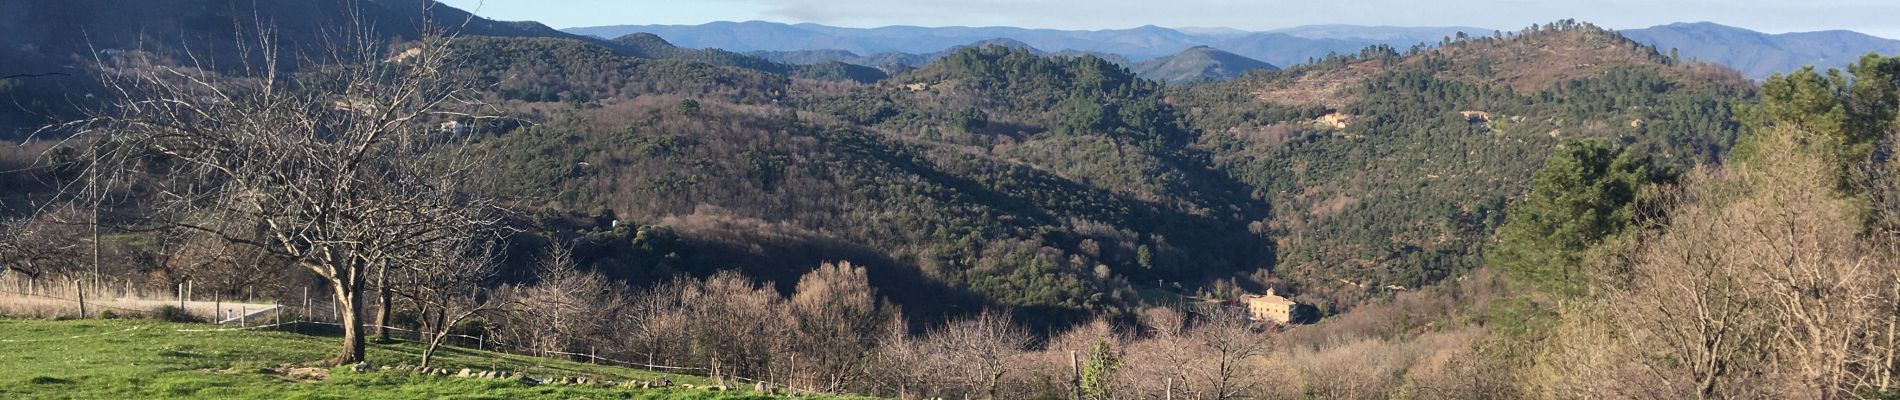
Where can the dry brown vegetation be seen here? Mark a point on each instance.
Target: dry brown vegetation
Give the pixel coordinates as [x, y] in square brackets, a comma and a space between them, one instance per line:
[1761, 285]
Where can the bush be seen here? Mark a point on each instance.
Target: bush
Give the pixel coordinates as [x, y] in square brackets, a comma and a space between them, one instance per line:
[107, 314]
[175, 314]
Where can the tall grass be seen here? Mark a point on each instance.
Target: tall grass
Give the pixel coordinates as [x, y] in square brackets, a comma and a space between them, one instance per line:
[21, 297]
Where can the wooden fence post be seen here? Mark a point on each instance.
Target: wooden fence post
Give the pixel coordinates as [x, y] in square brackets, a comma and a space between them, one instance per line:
[1075, 365]
[181, 297]
[80, 289]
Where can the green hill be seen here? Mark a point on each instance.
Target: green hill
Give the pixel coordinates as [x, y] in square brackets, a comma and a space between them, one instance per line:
[1394, 169]
[125, 359]
[1199, 64]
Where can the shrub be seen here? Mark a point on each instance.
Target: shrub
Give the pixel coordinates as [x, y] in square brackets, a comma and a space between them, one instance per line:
[175, 314]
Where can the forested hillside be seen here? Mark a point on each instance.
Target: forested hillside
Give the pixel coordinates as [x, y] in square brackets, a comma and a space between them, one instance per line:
[1524, 214]
[1064, 186]
[1390, 170]
[1044, 211]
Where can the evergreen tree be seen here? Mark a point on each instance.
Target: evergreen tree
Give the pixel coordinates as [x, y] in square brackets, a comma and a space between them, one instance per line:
[1586, 193]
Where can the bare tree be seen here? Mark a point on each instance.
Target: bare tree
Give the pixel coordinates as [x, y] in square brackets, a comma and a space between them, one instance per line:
[978, 350]
[215, 264]
[1229, 349]
[336, 168]
[1765, 285]
[903, 363]
[36, 247]
[653, 323]
[838, 321]
[564, 306]
[450, 286]
[736, 324]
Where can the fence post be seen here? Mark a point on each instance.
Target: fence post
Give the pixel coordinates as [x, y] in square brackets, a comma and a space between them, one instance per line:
[80, 289]
[181, 298]
[481, 342]
[217, 310]
[244, 313]
[1075, 365]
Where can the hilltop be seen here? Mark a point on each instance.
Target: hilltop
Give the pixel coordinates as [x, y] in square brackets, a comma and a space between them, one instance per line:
[1199, 64]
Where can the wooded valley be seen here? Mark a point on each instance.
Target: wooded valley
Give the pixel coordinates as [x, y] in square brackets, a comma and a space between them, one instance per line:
[1555, 212]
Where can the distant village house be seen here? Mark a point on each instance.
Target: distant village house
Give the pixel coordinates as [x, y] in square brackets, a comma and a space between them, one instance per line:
[1272, 307]
[453, 128]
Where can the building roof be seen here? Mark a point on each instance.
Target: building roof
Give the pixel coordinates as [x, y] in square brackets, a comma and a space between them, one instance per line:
[1269, 299]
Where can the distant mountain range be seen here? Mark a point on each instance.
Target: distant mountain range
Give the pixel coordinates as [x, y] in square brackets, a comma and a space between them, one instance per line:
[1291, 46]
[1759, 55]
[1756, 54]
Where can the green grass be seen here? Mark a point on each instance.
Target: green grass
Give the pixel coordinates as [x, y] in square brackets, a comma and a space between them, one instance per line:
[134, 359]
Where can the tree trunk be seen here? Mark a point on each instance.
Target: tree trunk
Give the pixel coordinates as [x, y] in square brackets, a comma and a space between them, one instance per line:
[443, 322]
[435, 340]
[352, 323]
[382, 303]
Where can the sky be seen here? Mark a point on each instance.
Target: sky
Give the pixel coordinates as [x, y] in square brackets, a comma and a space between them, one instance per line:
[1874, 17]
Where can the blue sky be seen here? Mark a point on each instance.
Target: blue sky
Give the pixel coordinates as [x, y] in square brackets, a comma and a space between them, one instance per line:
[1875, 17]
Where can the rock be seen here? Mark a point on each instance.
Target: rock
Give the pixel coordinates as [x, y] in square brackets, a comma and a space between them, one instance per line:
[360, 367]
[383, 368]
[464, 373]
[760, 387]
[582, 381]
